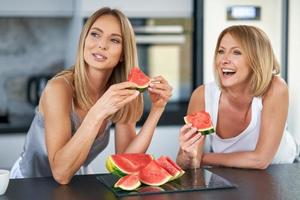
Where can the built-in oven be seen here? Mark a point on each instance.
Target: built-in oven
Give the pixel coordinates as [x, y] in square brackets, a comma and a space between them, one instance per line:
[165, 48]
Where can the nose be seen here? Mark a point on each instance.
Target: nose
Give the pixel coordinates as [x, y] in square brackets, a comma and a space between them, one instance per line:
[103, 44]
[226, 59]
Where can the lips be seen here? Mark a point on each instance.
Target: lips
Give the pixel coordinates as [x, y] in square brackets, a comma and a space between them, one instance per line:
[99, 57]
[228, 71]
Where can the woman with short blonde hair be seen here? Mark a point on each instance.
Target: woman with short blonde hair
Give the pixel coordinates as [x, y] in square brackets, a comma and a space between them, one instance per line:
[248, 104]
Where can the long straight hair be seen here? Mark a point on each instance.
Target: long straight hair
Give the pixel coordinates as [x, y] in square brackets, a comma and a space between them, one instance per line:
[132, 111]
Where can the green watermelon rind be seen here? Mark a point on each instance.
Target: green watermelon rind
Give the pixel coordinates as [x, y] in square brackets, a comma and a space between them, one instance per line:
[140, 87]
[207, 131]
[204, 131]
[128, 188]
[112, 168]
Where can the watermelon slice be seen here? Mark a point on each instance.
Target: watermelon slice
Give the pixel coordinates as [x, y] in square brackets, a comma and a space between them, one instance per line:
[128, 182]
[171, 167]
[175, 165]
[202, 121]
[164, 163]
[138, 77]
[154, 175]
[123, 164]
[137, 168]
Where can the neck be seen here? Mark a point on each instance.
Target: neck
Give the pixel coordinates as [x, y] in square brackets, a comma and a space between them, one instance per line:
[239, 97]
[98, 80]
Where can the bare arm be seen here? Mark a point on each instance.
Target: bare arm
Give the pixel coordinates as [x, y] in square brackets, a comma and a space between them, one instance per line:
[191, 143]
[126, 139]
[273, 119]
[67, 153]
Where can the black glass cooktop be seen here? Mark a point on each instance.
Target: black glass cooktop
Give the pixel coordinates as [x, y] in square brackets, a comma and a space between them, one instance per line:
[192, 180]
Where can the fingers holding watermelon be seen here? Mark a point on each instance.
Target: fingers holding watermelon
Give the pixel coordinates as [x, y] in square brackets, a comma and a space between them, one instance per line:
[188, 138]
[117, 96]
[160, 91]
[191, 144]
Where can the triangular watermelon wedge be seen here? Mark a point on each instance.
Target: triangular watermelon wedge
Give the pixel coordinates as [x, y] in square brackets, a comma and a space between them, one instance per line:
[127, 163]
[200, 120]
[128, 182]
[138, 77]
[153, 174]
[171, 167]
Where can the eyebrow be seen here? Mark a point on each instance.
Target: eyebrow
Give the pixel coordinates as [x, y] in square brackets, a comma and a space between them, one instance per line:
[100, 30]
[234, 47]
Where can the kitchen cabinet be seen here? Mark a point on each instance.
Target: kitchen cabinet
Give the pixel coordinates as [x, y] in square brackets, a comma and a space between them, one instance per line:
[36, 8]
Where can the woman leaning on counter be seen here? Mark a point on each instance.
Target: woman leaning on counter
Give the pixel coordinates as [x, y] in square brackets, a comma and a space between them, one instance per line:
[76, 110]
[248, 104]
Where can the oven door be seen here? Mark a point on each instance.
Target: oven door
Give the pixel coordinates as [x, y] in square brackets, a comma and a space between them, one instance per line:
[165, 48]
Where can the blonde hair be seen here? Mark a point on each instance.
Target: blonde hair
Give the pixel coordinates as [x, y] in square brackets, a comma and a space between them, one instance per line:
[259, 53]
[129, 113]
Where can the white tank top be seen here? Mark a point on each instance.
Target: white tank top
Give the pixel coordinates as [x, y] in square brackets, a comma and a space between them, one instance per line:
[247, 139]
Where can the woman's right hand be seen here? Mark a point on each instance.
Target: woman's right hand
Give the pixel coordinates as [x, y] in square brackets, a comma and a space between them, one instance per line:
[191, 145]
[117, 96]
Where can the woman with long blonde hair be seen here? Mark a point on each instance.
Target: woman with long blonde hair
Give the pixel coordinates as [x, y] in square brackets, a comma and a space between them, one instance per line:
[78, 106]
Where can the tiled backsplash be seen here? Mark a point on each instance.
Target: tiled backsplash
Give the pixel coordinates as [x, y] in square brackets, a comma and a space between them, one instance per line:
[28, 47]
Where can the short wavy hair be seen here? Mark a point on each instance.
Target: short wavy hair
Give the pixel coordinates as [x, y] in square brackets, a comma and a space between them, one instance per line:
[259, 53]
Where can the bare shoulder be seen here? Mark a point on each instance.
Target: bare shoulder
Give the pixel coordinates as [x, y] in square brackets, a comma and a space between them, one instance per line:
[278, 88]
[58, 91]
[197, 100]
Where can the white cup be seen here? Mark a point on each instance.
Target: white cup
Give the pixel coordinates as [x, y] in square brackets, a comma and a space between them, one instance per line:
[4, 179]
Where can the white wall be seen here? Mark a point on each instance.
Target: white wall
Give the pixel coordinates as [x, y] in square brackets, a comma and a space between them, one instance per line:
[294, 68]
[215, 21]
[165, 142]
[10, 148]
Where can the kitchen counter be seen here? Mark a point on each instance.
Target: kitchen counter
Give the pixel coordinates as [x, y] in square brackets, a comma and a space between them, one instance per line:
[276, 182]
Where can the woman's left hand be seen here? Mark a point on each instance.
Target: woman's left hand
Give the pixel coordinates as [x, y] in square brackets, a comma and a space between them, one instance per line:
[160, 92]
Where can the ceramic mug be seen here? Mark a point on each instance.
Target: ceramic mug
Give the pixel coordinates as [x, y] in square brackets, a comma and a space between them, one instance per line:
[4, 180]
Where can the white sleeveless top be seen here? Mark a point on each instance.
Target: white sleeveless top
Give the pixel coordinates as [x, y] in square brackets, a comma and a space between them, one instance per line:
[247, 139]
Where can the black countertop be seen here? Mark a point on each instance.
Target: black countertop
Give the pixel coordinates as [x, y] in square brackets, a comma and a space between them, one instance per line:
[276, 182]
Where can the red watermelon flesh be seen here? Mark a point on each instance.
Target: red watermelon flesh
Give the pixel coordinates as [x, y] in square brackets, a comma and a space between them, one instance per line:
[140, 160]
[130, 163]
[123, 165]
[128, 182]
[175, 165]
[169, 167]
[153, 174]
[138, 77]
[200, 120]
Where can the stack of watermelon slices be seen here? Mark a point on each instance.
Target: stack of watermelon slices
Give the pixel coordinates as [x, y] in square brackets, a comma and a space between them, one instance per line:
[135, 169]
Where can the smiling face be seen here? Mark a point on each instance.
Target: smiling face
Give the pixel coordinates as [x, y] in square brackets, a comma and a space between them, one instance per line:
[232, 66]
[103, 43]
